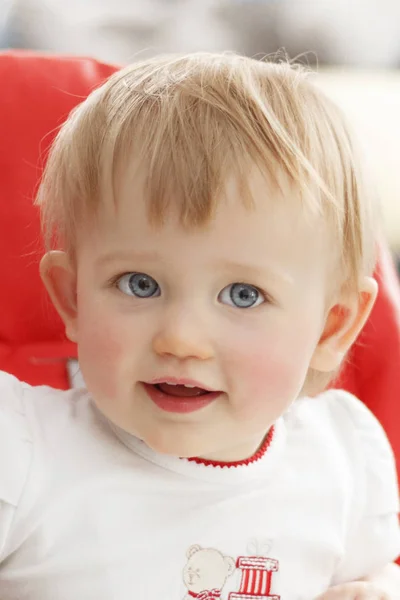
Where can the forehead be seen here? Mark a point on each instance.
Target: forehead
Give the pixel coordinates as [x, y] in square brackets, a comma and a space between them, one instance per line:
[276, 227]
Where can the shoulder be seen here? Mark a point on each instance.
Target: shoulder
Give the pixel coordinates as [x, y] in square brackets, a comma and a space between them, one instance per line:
[32, 418]
[37, 424]
[351, 419]
[15, 439]
[15, 450]
[10, 392]
[352, 431]
[344, 416]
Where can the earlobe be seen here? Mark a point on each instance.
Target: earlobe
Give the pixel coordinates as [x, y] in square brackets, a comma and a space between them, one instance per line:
[344, 322]
[59, 278]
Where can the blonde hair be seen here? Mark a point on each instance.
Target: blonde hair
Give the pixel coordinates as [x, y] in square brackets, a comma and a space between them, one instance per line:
[191, 121]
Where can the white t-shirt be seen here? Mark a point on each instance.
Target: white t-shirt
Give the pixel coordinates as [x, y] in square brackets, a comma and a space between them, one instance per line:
[88, 512]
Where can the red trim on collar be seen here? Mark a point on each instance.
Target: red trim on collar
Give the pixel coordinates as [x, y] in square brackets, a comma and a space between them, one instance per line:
[239, 463]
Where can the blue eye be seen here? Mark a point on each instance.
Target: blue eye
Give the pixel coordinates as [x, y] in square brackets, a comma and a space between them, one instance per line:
[139, 285]
[241, 295]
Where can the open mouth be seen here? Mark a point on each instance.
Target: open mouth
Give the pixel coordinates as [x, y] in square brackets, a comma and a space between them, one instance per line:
[181, 391]
[179, 398]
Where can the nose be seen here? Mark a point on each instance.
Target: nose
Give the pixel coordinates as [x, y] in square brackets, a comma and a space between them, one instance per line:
[182, 336]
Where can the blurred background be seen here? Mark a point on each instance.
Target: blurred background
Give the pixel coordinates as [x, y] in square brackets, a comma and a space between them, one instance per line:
[354, 44]
[362, 33]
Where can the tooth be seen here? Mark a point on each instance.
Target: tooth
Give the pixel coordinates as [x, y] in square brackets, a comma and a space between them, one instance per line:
[189, 386]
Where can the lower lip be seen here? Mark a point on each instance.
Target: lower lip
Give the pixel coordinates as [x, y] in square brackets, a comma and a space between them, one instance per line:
[175, 404]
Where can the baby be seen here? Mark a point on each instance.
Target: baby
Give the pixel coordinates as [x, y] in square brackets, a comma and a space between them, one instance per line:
[211, 244]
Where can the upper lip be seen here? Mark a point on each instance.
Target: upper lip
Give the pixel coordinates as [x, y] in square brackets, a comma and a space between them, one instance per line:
[181, 381]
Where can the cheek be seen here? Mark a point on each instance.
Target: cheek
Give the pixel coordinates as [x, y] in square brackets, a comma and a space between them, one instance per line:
[270, 366]
[101, 350]
[101, 344]
[264, 369]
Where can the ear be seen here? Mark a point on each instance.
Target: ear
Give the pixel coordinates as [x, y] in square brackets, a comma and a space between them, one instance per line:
[344, 321]
[193, 550]
[59, 279]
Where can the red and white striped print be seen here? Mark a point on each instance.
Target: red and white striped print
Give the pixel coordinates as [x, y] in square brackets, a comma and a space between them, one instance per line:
[256, 578]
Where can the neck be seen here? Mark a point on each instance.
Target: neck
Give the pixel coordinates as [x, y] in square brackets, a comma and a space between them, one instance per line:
[229, 461]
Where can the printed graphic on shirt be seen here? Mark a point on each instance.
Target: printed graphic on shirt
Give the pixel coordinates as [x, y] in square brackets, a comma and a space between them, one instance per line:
[256, 578]
[207, 571]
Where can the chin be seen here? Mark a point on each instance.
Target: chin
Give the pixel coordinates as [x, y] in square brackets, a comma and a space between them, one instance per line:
[173, 445]
[170, 449]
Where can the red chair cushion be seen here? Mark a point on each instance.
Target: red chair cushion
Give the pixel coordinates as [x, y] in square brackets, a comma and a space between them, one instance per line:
[38, 92]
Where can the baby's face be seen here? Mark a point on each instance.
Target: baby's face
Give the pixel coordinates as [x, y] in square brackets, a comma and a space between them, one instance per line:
[236, 308]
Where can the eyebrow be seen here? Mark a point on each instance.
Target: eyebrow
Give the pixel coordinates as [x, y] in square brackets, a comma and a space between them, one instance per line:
[117, 256]
[268, 271]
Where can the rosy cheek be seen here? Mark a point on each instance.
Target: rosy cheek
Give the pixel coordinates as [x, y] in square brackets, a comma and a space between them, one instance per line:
[265, 372]
[101, 350]
[102, 345]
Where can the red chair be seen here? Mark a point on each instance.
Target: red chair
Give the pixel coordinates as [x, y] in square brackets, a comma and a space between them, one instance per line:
[38, 92]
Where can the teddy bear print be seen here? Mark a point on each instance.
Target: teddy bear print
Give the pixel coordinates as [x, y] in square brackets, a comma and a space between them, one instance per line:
[206, 572]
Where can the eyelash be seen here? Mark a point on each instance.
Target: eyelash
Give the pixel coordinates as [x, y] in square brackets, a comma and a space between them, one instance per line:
[112, 283]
